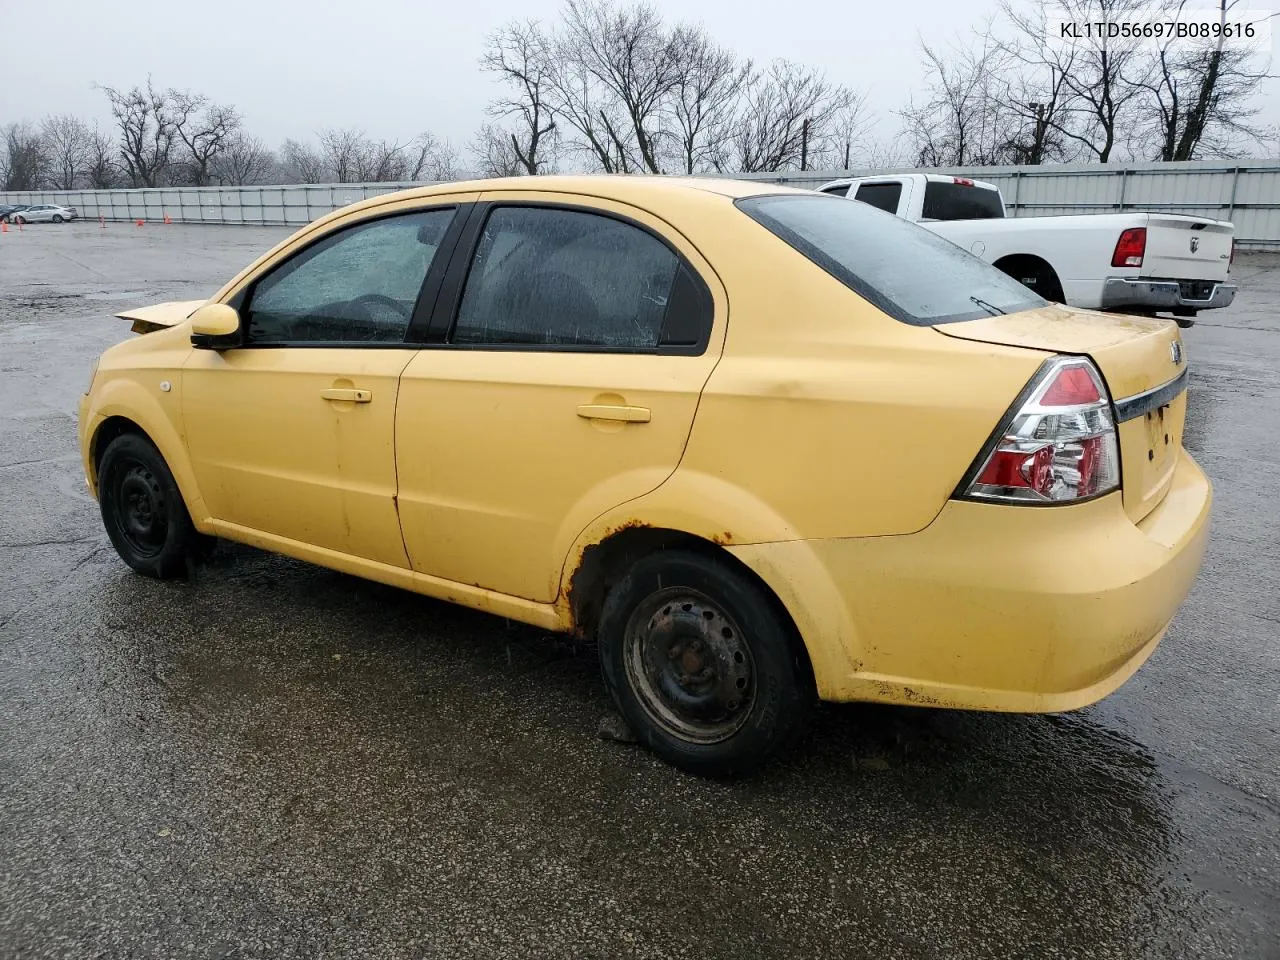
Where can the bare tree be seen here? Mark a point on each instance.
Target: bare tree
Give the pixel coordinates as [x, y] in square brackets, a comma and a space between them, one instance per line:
[1100, 81]
[589, 111]
[383, 161]
[630, 53]
[302, 162]
[432, 159]
[785, 111]
[521, 55]
[1202, 99]
[845, 141]
[66, 142]
[496, 153]
[961, 119]
[704, 99]
[101, 171]
[147, 126]
[342, 151]
[242, 160]
[24, 164]
[204, 128]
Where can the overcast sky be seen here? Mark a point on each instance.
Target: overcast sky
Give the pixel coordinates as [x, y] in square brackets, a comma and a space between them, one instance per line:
[396, 67]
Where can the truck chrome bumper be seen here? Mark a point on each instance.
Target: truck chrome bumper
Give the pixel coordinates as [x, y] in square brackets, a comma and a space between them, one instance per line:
[1180, 295]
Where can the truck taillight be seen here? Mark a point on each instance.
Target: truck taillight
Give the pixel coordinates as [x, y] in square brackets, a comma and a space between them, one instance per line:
[962, 181]
[1130, 248]
[1056, 446]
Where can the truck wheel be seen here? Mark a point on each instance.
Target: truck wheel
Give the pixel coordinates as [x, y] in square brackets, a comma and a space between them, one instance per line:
[701, 665]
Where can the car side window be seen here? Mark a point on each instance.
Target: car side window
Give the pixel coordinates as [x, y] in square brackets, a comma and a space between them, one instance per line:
[358, 285]
[546, 276]
[839, 190]
[883, 196]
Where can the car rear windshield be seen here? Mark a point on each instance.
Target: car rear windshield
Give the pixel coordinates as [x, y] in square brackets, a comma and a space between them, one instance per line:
[959, 201]
[911, 274]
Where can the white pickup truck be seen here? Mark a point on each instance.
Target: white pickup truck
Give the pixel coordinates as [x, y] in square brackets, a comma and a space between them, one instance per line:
[1144, 263]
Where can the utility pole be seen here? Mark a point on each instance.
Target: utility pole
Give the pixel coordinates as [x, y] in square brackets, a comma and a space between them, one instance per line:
[804, 144]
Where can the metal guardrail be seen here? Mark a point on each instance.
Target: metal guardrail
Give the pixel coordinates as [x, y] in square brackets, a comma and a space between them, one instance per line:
[1246, 192]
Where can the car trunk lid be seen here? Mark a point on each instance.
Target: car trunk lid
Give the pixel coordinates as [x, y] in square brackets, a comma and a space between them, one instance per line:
[1186, 248]
[1143, 364]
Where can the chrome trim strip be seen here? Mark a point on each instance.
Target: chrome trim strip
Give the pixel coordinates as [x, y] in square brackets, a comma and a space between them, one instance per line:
[1140, 404]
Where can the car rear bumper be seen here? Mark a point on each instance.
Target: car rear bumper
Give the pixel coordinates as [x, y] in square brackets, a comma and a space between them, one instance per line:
[1139, 294]
[994, 607]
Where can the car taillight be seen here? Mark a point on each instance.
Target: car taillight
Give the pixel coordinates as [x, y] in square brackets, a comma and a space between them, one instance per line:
[1057, 446]
[1130, 248]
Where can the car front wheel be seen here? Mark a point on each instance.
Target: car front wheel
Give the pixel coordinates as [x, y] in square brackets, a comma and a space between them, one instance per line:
[143, 509]
[57, 218]
[702, 665]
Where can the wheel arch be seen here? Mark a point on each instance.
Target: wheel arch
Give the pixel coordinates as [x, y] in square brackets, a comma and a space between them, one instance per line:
[1018, 265]
[604, 562]
[124, 407]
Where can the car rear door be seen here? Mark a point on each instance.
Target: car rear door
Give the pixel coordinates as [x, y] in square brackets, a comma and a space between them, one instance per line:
[577, 335]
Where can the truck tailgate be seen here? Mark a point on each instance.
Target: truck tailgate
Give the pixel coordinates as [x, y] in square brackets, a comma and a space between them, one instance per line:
[1185, 248]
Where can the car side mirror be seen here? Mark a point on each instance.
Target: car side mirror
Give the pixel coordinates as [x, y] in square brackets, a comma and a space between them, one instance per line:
[215, 326]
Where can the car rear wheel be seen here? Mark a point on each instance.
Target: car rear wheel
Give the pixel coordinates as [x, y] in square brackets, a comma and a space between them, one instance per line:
[143, 509]
[57, 218]
[701, 664]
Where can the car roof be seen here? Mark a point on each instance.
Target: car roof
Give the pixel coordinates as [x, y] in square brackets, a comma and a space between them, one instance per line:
[622, 187]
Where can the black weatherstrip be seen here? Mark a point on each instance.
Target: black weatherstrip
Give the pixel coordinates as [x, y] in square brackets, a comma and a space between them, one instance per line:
[1131, 408]
[420, 329]
[450, 290]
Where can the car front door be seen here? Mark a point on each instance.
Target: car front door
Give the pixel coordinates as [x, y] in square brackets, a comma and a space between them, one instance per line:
[291, 433]
[580, 335]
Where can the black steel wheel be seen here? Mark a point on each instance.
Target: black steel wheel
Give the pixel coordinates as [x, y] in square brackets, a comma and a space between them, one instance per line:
[702, 664]
[142, 509]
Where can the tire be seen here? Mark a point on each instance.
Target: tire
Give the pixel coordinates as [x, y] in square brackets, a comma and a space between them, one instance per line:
[57, 218]
[701, 665]
[20, 219]
[143, 510]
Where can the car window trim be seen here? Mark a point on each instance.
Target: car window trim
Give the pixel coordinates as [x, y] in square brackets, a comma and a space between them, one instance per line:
[418, 319]
[445, 317]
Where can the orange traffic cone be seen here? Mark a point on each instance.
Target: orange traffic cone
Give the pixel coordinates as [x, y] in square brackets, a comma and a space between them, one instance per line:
[140, 222]
[102, 222]
[4, 226]
[166, 219]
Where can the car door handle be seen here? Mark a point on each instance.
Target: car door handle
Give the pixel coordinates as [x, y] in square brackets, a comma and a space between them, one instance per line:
[608, 411]
[347, 396]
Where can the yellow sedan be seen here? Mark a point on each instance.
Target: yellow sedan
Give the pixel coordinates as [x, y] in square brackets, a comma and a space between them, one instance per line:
[767, 446]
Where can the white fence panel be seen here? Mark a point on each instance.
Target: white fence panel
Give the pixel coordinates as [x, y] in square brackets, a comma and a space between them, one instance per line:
[1245, 192]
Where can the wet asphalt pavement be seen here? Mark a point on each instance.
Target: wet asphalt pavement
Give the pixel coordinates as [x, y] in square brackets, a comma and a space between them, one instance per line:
[278, 761]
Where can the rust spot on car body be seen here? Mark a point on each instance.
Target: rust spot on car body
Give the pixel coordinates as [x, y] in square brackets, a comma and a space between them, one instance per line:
[722, 539]
[585, 588]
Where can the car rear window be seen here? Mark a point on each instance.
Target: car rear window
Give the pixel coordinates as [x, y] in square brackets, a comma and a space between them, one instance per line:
[911, 274]
[958, 201]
